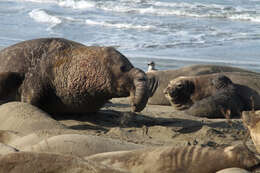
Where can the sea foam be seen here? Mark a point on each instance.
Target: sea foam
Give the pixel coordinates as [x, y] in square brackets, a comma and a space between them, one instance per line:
[42, 16]
[77, 4]
[119, 25]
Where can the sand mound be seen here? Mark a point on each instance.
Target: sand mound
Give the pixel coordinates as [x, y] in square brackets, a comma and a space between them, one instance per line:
[80, 145]
[25, 118]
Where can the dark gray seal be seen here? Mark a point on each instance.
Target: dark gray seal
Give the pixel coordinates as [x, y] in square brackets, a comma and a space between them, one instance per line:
[215, 95]
[63, 76]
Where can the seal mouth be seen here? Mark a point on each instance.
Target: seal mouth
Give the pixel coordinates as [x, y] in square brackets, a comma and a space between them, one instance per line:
[177, 104]
[179, 93]
[176, 95]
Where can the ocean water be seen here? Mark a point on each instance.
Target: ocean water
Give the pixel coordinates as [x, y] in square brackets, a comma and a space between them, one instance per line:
[173, 33]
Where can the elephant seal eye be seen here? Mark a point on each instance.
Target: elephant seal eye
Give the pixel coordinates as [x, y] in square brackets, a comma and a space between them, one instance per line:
[124, 68]
[179, 85]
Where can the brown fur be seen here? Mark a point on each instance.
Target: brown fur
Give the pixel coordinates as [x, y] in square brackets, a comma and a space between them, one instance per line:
[165, 76]
[62, 76]
[176, 160]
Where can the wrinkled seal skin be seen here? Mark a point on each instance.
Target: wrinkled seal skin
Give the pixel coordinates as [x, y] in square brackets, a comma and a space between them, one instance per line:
[62, 76]
[165, 76]
[33, 162]
[191, 159]
[215, 95]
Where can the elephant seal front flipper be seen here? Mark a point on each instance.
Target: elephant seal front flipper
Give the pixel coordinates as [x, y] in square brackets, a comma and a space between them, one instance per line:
[190, 159]
[9, 84]
[217, 106]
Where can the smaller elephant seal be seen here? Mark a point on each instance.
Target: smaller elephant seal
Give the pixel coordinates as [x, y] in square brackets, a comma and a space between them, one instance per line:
[163, 77]
[65, 77]
[251, 121]
[190, 159]
[26, 118]
[79, 145]
[210, 96]
[25, 162]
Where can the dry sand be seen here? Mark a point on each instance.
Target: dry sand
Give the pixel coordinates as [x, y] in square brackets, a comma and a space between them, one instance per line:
[158, 126]
[154, 126]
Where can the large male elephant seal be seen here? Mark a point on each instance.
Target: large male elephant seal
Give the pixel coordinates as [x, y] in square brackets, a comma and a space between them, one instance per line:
[163, 78]
[215, 95]
[62, 76]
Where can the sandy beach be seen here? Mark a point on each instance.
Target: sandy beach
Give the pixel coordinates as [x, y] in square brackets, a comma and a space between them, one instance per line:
[158, 126]
[113, 128]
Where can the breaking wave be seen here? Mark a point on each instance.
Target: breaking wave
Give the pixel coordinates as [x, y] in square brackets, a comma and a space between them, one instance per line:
[119, 25]
[43, 16]
[152, 7]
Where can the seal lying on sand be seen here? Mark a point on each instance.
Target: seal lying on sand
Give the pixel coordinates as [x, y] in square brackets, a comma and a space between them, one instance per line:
[214, 95]
[175, 160]
[79, 145]
[165, 76]
[62, 76]
[25, 162]
[25, 118]
[27, 128]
